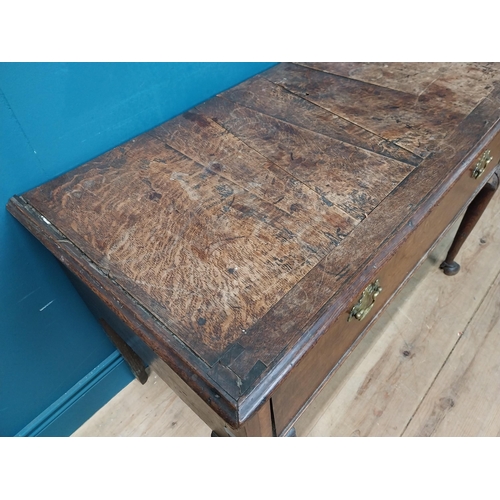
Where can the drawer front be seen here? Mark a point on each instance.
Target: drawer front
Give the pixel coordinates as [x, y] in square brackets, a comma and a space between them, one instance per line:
[296, 391]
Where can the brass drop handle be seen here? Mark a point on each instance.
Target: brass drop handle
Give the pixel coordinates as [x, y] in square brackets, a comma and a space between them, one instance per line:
[365, 303]
[482, 164]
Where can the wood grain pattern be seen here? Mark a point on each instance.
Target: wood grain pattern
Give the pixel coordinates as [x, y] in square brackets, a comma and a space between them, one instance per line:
[419, 123]
[263, 96]
[231, 237]
[351, 178]
[201, 220]
[457, 85]
[247, 168]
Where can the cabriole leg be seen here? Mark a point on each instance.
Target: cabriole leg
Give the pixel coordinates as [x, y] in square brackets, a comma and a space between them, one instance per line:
[472, 215]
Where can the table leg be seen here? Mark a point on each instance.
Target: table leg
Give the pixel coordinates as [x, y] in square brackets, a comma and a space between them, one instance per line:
[472, 215]
[133, 360]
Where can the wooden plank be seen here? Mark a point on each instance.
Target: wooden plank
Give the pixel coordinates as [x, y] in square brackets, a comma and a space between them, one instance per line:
[464, 399]
[377, 392]
[263, 96]
[354, 179]
[459, 85]
[415, 124]
[207, 143]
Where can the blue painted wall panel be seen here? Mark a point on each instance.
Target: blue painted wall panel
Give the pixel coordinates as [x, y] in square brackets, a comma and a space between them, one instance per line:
[42, 351]
[54, 117]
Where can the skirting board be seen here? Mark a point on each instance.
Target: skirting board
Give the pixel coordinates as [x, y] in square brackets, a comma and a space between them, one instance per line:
[78, 404]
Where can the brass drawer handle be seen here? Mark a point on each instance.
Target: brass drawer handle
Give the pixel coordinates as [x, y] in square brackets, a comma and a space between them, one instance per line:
[365, 303]
[482, 164]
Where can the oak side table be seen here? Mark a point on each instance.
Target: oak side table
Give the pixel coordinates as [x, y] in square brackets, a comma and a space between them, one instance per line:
[243, 248]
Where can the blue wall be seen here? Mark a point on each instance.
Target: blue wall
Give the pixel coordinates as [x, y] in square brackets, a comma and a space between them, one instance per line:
[57, 366]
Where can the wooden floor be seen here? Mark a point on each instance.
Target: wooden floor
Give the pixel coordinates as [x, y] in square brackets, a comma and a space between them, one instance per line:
[429, 367]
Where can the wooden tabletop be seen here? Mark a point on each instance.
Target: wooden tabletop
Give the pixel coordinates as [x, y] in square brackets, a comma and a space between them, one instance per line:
[243, 225]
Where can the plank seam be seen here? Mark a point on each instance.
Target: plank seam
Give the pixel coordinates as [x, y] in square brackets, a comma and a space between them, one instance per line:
[289, 174]
[324, 135]
[348, 120]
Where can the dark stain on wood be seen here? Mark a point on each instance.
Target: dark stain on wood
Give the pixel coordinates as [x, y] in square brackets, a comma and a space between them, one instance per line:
[353, 179]
[414, 122]
[263, 96]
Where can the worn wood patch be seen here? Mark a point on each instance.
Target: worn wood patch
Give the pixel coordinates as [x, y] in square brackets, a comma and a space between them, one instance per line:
[354, 179]
[207, 143]
[216, 258]
[457, 85]
[265, 97]
[417, 124]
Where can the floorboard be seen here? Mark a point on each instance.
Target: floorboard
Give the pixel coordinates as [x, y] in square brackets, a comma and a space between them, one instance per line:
[464, 399]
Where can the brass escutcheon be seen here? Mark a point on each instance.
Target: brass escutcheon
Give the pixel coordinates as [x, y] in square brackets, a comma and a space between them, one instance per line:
[365, 303]
[482, 164]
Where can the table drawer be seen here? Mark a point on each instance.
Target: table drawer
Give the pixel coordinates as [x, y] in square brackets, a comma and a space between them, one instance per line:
[398, 261]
